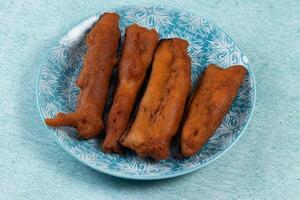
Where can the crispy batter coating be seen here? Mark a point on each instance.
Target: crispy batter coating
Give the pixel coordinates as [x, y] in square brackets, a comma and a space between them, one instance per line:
[162, 106]
[212, 99]
[93, 80]
[137, 54]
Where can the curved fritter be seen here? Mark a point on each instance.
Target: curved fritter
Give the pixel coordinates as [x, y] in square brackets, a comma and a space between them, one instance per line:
[137, 54]
[162, 106]
[212, 99]
[94, 78]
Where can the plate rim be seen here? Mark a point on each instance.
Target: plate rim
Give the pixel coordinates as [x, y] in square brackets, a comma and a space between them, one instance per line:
[114, 173]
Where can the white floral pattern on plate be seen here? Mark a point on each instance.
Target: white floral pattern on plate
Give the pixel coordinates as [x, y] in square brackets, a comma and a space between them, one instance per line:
[56, 90]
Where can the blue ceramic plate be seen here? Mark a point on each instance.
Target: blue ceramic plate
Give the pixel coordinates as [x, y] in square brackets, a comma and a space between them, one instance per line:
[56, 90]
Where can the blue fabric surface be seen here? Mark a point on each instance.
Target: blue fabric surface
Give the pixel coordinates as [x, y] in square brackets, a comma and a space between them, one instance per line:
[263, 164]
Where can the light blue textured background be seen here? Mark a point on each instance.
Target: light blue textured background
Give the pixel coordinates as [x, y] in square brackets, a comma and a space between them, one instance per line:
[264, 163]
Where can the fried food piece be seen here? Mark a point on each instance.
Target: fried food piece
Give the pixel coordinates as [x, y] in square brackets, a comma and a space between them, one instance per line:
[212, 99]
[93, 80]
[162, 106]
[137, 54]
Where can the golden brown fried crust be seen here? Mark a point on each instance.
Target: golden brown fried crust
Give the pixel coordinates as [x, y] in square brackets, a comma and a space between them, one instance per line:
[212, 99]
[162, 106]
[93, 80]
[137, 54]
